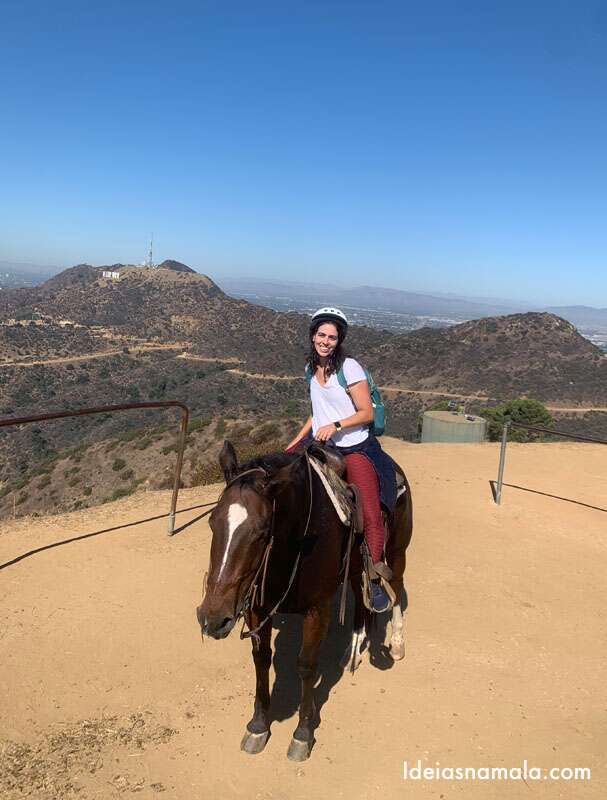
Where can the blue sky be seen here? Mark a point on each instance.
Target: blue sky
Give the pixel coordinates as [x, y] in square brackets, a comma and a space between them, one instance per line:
[447, 146]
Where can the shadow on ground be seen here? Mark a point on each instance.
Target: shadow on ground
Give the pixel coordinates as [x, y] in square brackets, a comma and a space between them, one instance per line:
[92, 534]
[544, 494]
[286, 690]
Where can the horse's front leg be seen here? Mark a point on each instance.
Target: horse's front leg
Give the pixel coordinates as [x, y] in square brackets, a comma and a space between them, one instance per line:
[316, 623]
[258, 729]
[353, 656]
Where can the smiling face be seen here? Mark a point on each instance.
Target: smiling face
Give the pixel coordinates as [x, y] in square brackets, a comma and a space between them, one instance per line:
[326, 339]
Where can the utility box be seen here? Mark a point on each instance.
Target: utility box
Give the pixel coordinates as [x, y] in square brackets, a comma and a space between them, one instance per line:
[446, 426]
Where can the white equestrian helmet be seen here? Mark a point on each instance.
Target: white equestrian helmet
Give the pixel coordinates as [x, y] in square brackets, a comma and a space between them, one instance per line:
[331, 314]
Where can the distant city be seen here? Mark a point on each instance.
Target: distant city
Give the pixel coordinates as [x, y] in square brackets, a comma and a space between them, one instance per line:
[394, 321]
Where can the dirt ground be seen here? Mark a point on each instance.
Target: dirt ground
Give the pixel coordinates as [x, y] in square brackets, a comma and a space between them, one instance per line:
[108, 692]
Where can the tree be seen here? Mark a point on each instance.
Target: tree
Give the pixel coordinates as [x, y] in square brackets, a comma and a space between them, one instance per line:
[530, 412]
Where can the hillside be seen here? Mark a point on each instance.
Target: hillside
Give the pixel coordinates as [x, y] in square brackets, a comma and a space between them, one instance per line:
[170, 333]
[136, 459]
[165, 304]
[535, 354]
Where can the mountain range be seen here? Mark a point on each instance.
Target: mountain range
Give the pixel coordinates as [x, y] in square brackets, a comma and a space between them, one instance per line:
[421, 304]
[449, 307]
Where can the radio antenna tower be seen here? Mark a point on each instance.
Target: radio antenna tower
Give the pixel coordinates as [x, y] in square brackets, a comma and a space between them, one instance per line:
[150, 261]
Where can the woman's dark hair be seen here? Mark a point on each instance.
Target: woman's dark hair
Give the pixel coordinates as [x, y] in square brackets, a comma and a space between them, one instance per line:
[338, 356]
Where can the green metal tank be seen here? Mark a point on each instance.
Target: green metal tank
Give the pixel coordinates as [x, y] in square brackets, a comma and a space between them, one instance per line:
[448, 426]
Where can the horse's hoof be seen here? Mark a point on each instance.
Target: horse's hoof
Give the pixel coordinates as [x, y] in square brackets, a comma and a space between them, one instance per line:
[397, 650]
[353, 657]
[254, 743]
[298, 750]
[351, 661]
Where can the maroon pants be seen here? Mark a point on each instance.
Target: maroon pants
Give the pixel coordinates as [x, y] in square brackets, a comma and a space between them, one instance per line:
[362, 474]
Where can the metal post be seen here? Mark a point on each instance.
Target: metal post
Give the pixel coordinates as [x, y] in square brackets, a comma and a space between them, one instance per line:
[177, 479]
[500, 471]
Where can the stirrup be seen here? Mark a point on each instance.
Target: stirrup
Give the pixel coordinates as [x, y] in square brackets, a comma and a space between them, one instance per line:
[367, 589]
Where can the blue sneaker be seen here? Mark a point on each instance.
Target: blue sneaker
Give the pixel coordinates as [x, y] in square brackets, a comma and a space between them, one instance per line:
[379, 599]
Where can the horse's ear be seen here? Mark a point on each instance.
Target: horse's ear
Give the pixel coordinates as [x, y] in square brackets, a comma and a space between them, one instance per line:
[228, 461]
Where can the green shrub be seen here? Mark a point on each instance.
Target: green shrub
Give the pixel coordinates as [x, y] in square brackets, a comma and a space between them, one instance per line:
[529, 412]
[119, 464]
[124, 491]
[87, 491]
[127, 474]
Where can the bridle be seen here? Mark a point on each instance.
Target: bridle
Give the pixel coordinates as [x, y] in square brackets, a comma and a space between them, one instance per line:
[251, 593]
[250, 596]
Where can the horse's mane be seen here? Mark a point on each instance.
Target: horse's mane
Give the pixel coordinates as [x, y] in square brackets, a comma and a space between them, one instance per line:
[271, 462]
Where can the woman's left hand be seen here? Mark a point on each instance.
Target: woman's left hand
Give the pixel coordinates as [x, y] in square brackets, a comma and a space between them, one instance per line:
[325, 433]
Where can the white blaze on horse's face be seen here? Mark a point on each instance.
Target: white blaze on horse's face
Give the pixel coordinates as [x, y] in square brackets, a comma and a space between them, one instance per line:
[237, 514]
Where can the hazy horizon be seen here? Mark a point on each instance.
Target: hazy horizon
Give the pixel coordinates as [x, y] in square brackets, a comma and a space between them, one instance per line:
[53, 269]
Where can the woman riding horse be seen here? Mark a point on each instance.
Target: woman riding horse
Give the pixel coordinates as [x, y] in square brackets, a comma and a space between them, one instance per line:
[278, 544]
[343, 416]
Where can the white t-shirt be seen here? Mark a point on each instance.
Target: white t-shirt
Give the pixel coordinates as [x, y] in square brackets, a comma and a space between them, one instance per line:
[331, 403]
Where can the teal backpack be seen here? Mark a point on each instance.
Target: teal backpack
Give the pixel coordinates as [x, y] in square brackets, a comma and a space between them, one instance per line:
[379, 411]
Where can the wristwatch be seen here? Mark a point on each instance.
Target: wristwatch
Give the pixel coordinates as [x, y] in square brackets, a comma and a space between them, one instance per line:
[337, 425]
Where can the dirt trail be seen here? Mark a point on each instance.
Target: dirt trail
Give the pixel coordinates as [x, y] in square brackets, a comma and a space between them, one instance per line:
[264, 377]
[142, 348]
[107, 688]
[226, 360]
[423, 392]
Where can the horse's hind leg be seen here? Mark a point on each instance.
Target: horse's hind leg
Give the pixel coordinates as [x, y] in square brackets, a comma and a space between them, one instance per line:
[402, 529]
[258, 729]
[316, 623]
[397, 638]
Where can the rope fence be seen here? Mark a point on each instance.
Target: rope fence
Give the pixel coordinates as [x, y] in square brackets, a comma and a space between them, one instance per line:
[512, 424]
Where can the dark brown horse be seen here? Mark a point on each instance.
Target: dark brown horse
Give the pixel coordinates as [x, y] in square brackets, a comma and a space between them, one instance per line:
[274, 527]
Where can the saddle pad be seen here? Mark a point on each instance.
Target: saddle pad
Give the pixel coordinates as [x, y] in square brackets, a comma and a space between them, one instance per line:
[336, 489]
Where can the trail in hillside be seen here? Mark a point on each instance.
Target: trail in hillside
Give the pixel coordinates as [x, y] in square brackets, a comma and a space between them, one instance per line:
[88, 356]
[423, 392]
[143, 348]
[212, 359]
[262, 376]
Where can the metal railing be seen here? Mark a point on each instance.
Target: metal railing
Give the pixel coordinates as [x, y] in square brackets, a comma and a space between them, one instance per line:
[537, 428]
[81, 412]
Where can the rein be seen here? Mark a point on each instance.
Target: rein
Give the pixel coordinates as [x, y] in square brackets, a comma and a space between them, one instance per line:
[252, 590]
